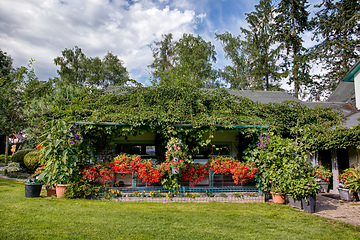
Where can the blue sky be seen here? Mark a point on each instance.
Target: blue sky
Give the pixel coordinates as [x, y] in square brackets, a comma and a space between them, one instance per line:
[42, 29]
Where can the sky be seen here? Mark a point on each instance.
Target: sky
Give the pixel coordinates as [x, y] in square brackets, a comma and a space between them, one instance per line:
[41, 30]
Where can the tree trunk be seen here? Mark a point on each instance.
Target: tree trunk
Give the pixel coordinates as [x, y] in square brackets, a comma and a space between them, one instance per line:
[6, 152]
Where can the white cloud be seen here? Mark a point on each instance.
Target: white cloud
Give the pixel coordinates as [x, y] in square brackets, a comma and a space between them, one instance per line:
[42, 29]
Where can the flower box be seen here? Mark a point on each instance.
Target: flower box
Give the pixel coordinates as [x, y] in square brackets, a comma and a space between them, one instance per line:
[346, 195]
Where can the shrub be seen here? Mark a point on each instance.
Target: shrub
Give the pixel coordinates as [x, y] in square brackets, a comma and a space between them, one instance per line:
[32, 160]
[19, 156]
[2, 158]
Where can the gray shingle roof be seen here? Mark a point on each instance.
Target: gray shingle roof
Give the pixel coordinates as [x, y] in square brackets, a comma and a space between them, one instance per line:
[265, 96]
[345, 92]
[351, 120]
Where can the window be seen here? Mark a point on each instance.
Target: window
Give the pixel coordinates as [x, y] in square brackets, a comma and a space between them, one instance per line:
[146, 150]
[216, 150]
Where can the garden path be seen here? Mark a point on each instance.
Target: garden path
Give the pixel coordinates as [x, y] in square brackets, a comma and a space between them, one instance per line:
[330, 206]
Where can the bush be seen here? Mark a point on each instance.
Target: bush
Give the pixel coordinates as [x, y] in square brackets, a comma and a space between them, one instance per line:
[19, 156]
[32, 160]
[2, 158]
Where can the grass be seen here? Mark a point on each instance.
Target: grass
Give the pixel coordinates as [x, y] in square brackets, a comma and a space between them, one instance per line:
[52, 218]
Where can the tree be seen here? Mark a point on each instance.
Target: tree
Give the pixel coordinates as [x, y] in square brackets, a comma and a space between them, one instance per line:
[337, 32]
[238, 75]
[292, 21]
[260, 45]
[253, 56]
[187, 61]
[163, 54]
[76, 68]
[11, 104]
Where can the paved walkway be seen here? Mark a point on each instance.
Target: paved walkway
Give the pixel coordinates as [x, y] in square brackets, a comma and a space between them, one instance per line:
[330, 206]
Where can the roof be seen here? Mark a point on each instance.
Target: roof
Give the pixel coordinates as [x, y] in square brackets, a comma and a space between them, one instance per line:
[352, 120]
[345, 92]
[265, 97]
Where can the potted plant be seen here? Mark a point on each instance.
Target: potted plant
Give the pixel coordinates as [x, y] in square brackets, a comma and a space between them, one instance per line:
[309, 190]
[61, 156]
[33, 188]
[323, 176]
[349, 183]
[175, 152]
[278, 161]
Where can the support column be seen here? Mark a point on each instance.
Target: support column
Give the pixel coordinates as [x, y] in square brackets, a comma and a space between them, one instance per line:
[335, 171]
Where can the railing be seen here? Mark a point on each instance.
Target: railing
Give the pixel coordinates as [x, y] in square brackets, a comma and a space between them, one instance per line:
[184, 194]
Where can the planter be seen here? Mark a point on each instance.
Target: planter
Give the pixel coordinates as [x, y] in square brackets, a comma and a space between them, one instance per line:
[310, 205]
[50, 192]
[61, 189]
[32, 190]
[324, 186]
[278, 197]
[295, 203]
[346, 195]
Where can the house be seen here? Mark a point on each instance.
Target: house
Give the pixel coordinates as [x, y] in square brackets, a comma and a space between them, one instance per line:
[226, 140]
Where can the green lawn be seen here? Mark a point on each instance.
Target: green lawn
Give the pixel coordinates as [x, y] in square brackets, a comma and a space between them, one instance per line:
[51, 218]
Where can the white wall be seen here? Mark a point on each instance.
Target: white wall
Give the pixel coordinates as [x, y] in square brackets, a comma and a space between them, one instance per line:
[357, 89]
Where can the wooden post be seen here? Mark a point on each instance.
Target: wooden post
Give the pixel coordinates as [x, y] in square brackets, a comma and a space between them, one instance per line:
[6, 152]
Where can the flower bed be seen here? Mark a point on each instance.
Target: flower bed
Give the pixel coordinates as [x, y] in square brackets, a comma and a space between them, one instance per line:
[184, 194]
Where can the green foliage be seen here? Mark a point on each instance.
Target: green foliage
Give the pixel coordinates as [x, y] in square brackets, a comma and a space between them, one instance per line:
[283, 167]
[12, 167]
[32, 160]
[79, 189]
[76, 68]
[291, 22]
[336, 31]
[261, 46]
[19, 156]
[34, 182]
[322, 172]
[186, 62]
[254, 59]
[62, 155]
[11, 98]
[238, 75]
[162, 110]
[2, 158]
[350, 178]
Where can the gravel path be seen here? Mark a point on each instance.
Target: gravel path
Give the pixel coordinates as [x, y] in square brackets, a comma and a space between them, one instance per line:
[330, 206]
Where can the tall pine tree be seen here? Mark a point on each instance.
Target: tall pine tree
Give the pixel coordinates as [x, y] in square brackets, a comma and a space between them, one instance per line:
[337, 30]
[260, 45]
[292, 21]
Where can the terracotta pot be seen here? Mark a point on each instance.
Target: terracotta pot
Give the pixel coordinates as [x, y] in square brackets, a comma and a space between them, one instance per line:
[278, 197]
[61, 189]
[50, 192]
